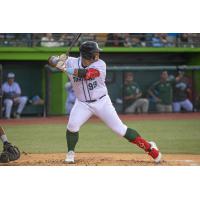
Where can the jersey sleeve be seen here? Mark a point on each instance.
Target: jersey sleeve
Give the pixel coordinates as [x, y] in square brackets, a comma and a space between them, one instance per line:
[17, 89]
[4, 87]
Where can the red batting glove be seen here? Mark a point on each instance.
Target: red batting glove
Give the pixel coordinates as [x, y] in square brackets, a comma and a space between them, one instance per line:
[92, 73]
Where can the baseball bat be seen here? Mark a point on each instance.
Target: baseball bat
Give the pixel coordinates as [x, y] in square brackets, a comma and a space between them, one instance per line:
[73, 43]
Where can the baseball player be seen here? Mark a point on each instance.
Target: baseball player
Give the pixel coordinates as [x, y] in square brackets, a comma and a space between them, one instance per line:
[181, 90]
[12, 96]
[133, 100]
[10, 152]
[161, 91]
[87, 74]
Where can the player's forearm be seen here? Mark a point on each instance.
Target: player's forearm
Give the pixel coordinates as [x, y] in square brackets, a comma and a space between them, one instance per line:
[152, 94]
[157, 98]
[84, 73]
[131, 97]
[81, 73]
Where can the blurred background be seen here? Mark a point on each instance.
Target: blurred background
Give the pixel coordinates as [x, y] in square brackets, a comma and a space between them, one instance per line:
[144, 55]
[104, 39]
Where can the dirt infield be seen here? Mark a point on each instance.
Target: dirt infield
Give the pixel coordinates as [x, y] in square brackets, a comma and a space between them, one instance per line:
[136, 117]
[105, 159]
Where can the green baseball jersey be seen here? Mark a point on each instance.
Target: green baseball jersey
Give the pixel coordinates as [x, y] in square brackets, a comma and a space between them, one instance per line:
[131, 89]
[163, 90]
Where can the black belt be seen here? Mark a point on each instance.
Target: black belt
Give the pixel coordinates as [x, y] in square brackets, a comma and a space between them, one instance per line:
[92, 101]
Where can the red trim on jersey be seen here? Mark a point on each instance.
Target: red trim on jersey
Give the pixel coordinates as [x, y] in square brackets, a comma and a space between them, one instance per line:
[92, 73]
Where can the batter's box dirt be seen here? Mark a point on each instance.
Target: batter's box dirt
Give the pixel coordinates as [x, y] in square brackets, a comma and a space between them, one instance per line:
[105, 159]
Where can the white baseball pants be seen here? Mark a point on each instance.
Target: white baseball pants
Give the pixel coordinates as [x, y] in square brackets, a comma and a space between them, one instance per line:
[9, 104]
[186, 105]
[102, 108]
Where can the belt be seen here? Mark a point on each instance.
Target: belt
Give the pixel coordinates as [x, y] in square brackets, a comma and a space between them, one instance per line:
[92, 101]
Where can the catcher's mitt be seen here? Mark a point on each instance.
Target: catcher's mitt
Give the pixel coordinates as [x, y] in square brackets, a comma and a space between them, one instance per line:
[10, 153]
[4, 157]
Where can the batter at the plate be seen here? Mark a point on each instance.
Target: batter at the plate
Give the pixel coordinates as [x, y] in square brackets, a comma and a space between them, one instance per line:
[87, 74]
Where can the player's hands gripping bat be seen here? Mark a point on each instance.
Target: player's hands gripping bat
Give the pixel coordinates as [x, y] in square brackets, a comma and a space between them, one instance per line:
[59, 61]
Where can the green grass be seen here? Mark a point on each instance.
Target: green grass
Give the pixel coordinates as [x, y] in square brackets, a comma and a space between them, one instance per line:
[181, 136]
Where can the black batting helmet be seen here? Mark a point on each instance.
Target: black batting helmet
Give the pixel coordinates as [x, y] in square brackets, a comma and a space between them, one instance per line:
[88, 48]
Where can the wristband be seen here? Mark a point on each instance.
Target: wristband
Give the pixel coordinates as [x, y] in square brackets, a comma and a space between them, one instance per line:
[70, 70]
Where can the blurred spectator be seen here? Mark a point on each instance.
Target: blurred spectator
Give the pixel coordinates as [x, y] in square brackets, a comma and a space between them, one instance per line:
[156, 40]
[8, 39]
[164, 39]
[172, 39]
[132, 96]
[180, 94]
[101, 38]
[148, 39]
[115, 40]
[105, 39]
[24, 39]
[36, 37]
[195, 39]
[185, 40]
[12, 96]
[138, 39]
[87, 37]
[143, 39]
[135, 40]
[48, 41]
[160, 40]
[161, 91]
[70, 97]
[64, 39]
[127, 40]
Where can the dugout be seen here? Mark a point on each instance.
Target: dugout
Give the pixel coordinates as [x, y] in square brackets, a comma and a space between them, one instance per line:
[146, 63]
[145, 76]
[29, 75]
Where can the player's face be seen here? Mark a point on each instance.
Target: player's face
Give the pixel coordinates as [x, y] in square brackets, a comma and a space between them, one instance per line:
[10, 81]
[87, 62]
[129, 78]
[164, 75]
